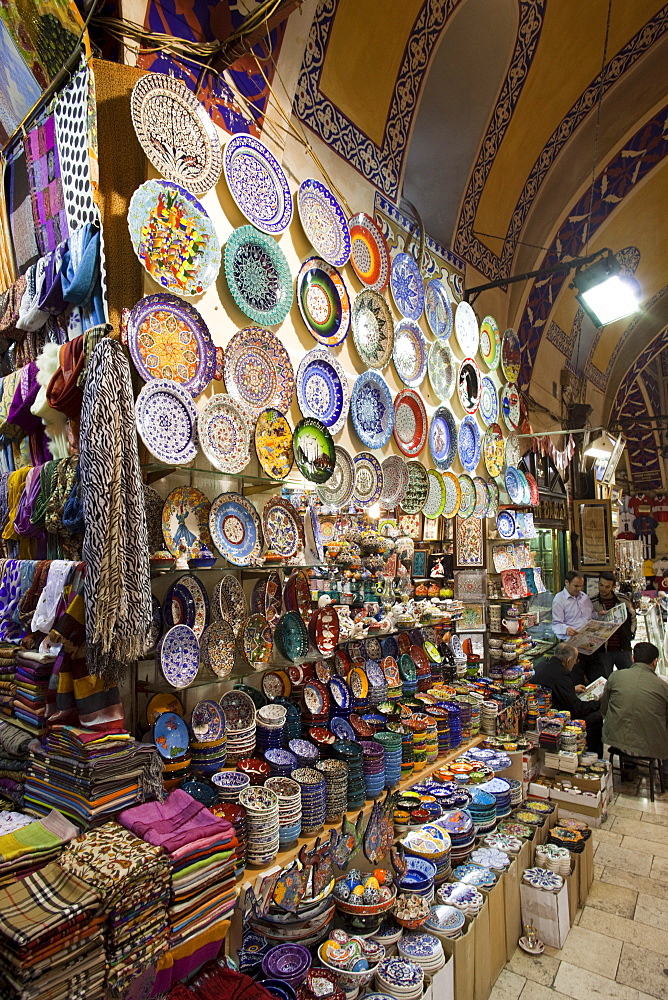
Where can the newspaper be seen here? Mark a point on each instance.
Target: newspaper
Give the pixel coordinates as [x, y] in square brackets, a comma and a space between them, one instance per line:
[592, 635]
[594, 690]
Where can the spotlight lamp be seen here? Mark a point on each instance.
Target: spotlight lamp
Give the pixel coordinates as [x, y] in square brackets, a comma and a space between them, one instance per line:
[599, 448]
[604, 293]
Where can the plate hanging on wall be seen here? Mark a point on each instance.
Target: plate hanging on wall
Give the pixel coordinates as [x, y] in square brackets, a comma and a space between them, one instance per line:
[418, 489]
[273, 443]
[492, 498]
[489, 401]
[258, 275]
[466, 330]
[469, 385]
[368, 483]
[410, 422]
[438, 308]
[314, 450]
[371, 409]
[435, 502]
[193, 586]
[493, 449]
[323, 301]
[395, 481]
[369, 252]
[166, 419]
[224, 434]
[283, 527]
[468, 443]
[468, 496]
[443, 438]
[258, 371]
[510, 406]
[442, 371]
[235, 528]
[490, 342]
[410, 352]
[257, 183]
[453, 494]
[481, 497]
[185, 515]
[511, 356]
[338, 489]
[324, 222]
[406, 286]
[373, 329]
[322, 389]
[514, 485]
[513, 450]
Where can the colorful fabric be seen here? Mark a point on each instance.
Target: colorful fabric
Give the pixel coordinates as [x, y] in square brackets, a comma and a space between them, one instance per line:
[48, 203]
[176, 822]
[44, 900]
[72, 132]
[21, 222]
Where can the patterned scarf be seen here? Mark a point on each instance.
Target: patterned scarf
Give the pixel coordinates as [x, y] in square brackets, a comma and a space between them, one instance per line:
[117, 589]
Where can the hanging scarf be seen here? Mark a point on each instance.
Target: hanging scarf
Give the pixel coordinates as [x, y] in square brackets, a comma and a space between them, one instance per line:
[55, 422]
[15, 487]
[12, 307]
[47, 605]
[31, 597]
[63, 392]
[31, 317]
[117, 589]
[51, 300]
[10, 595]
[22, 524]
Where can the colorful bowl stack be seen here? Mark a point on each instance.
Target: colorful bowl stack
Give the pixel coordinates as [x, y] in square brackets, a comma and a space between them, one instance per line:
[442, 719]
[391, 744]
[400, 978]
[465, 715]
[455, 714]
[500, 789]
[465, 897]
[445, 921]
[459, 825]
[424, 950]
[293, 720]
[230, 785]
[407, 754]
[373, 763]
[288, 962]
[236, 815]
[314, 799]
[281, 762]
[262, 814]
[351, 753]
[240, 725]
[432, 741]
[419, 878]
[208, 756]
[335, 773]
[431, 843]
[377, 693]
[482, 809]
[307, 754]
[270, 725]
[515, 792]
[289, 795]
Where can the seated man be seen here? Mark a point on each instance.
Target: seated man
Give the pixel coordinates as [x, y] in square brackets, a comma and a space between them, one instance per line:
[635, 705]
[555, 673]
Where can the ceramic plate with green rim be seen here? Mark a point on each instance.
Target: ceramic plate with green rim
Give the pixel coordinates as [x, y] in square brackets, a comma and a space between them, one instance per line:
[453, 494]
[468, 496]
[323, 301]
[490, 342]
[433, 508]
[373, 329]
[258, 275]
[314, 450]
[492, 498]
[417, 492]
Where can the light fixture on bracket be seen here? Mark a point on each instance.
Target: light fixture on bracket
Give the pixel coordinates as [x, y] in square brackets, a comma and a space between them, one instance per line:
[599, 448]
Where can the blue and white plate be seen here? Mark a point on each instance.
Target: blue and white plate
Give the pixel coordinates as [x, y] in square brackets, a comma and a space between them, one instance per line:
[505, 524]
[514, 485]
[368, 484]
[207, 721]
[341, 694]
[468, 443]
[526, 489]
[342, 729]
[467, 331]
[406, 286]
[324, 222]
[410, 352]
[489, 402]
[322, 389]
[166, 419]
[438, 308]
[443, 438]
[179, 607]
[372, 409]
[179, 656]
[257, 183]
[235, 528]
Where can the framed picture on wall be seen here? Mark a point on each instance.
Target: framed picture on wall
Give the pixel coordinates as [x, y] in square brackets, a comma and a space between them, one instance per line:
[473, 618]
[596, 543]
[431, 531]
[420, 562]
[469, 542]
[411, 525]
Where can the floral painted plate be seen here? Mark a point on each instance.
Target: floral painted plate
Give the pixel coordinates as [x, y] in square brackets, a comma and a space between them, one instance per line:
[258, 371]
[409, 352]
[267, 596]
[258, 275]
[179, 656]
[235, 528]
[505, 524]
[373, 329]
[192, 586]
[418, 489]
[469, 385]
[513, 450]
[489, 402]
[218, 648]
[410, 422]
[255, 641]
[371, 409]
[511, 356]
[492, 498]
[273, 443]
[368, 484]
[185, 515]
[322, 389]
[207, 721]
[468, 443]
[510, 406]
[283, 527]
[324, 222]
[490, 342]
[395, 481]
[453, 494]
[173, 237]
[435, 503]
[493, 449]
[314, 450]
[178, 607]
[166, 419]
[481, 497]
[443, 438]
[514, 485]
[406, 286]
[257, 183]
[224, 434]
[323, 301]
[442, 372]
[168, 339]
[466, 330]
[468, 496]
[231, 600]
[339, 487]
[369, 252]
[438, 307]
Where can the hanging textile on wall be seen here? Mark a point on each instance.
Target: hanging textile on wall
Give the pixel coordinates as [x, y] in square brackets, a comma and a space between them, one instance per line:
[48, 203]
[72, 132]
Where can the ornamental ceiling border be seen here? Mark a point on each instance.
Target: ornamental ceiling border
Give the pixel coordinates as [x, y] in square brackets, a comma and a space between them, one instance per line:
[645, 358]
[601, 378]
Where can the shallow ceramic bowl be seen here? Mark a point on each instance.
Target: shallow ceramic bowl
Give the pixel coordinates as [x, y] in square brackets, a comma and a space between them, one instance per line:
[349, 980]
[366, 911]
[411, 925]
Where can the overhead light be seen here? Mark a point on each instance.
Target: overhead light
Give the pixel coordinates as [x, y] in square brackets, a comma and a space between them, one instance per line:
[600, 447]
[606, 294]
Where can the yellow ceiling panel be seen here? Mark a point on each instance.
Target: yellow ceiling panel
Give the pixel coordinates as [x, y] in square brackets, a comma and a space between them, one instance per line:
[364, 54]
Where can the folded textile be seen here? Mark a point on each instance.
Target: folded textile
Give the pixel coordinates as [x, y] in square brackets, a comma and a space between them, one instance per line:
[177, 821]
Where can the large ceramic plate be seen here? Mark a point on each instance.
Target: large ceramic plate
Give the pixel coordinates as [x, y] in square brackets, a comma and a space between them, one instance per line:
[267, 596]
[258, 275]
[258, 370]
[406, 286]
[224, 434]
[417, 492]
[510, 406]
[442, 371]
[492, 498]
[395, 481]
[435, 504]
[443, 438]
[371, 409]
[511, 357]
[176, 132]
[373, 330]
[231, 600]
[324, 222]
[467, 497]
[283, 527]
[235, 528]
[257, 183]
[322, 389]
[466, 330]
[194, 587]
[168, 339]
[339, 487]
[468, 443]
[314, 450]
[185, 515]
[493, 450]
[323, 301]
[170, 735]
[481, 498]
[514, 485]
[409, 352]
[489, 401]
[273, 443]
[490, 342]
[166, 419]
[255, 642]
[453, 494]
[218, 647]
[369, 253]
[179, 656]
[513, 450]
[469, 385]
[438, 309]
[410, 422]
[368, 484]
[173, 237]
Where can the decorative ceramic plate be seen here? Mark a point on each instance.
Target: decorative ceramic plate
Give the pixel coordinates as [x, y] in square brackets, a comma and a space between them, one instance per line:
[166, 419]
[207, 721]
[490, 342]
[176, 132]
[442, 371]
[489, 402]
[410, 422]
[255, 641]
[218, 647]
[291, 636]
[369, 253]
[273, 443]
[469, 385]
[178, 607]
[170, 735]
[511, 355]
[453, 494]
[514, 485]
[186, 515]
[406, 286]
[373, 329]
[481, 497]
[173, 237]
[179, 656]
[324, 222]
[418, 489]
[163, 702]
[466, 330]
[526, 489]
[323, 301]
[468, 443]
[368, 484]
[513, 450]
[492, 498]
[371, 409]
[235, 528]
[435, 503]
[534, 494]
[322, 389]
[324, 630]
[395, 481]
[231, 600]
[505, 524]
[339, 487]
[468, 496]
[409, 352]
[168, 339]
[192, 585]
[267, 596]
[493, 450]
[258, 275]
[438, 308]
[314, 450]
[283, 527]
[224, 434]
[510, 406]
[258, 370]
[257, 183]
[443, 438]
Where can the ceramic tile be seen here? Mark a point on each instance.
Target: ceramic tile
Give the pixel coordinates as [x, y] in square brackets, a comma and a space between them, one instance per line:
[643, 969]
[631, 931]
[619, 857]
[607, 836]
[646, 846]
[616, 876]
[655, 832]
[508, 986]
[583, 985]
[612, 898]
[591, 951]
[539, 968]
[659, 869]
[536, 991]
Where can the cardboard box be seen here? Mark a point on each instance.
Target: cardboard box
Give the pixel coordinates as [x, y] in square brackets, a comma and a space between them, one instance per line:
[482, 978]
[573, 885]
[548, 912]
[462, 953]
[511, 899]
[496, 901]
[443, 982]
[516, 766]
[592, 819]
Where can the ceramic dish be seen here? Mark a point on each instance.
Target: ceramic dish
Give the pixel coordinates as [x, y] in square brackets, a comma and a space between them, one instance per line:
[257, 183]
[162, 702]
[468, 496]
[418, 489]
[443, 438]
[511, 356]
[442, 371]
[514, 485]
[510, 406]
[207, 721]
[409, 353]
[258, 371]
[217, 645]
[469, 385]
[435, 502]
[255, 641]
[453, 494]
[258, 275]
[513, 452]
[273, 443]
[406, 286]
[170, 735]
[167, 421]
[373, 329]
[371, 409]
[322, 389]
[490, 342]
[489, 402]
[323, 301]
[368, 482]
[179, 656]
[493, 449]
[468, 443]
[192, 586]
[314, 450]
[369, 253]
[438, 309]
[283, 527]
[224, 434]
[338, 489]
[410, 422]
[466, 330]
[235, 528]
[231, 600]
[395, 481]
[324, 222]
[481, 497]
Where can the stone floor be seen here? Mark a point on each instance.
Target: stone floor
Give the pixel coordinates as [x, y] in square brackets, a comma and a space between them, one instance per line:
[617, 948]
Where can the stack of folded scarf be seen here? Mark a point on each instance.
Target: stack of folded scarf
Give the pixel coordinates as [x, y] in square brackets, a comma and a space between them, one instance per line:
[7, 671]
[27, 847]
[201, 851]
[33, 671]
[51, 938]
[133, 879]
[90, 776]
[14, 743]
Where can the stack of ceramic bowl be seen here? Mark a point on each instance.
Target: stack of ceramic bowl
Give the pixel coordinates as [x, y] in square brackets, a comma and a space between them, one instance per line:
[515, 792]
[377, 693]
[240, 715]
[504, 842]
[293, 720]
[556, 859]
[314, 798]
[419, 878]
[336, 785]
[289, 808]
[442, 720]
[425, 950]
[453, 796]
[281, 762]
[391, 744]
[541, 878]
[208, 756]
[459, 825]
[261, 805]
[307, 754]
[445, 921]
[288, 963]
[400, 978]
[230, 784]
[351, 753]
[388, 933]
[407, 754]
[433, 844]
[236, 815]
[482, 809]
[465, 897]
[270, 725]
[500, 789]
[373, 764]
[491, 857]
[455, 717]
[432, 741]
[465, 716]
[475, 874]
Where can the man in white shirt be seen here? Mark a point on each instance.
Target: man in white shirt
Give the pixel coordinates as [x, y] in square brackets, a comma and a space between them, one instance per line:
[571, 610]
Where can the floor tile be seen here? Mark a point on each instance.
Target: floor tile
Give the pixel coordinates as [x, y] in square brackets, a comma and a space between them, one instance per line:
[508, 986]
[658, 819]
[535, 991]
[644, 970]
[618, 857]
[655, 832]
[583, 985]
[625, 930]
[649, 912]
[598, 871]
[587, 949]
[625, 811]
[645, 846]
[640, 803]
[616, 876]
[659, 869]
[612, 898]
[539, 968]
[609, 836]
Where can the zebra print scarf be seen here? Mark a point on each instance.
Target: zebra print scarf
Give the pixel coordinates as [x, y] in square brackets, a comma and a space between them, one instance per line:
[117, 589]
